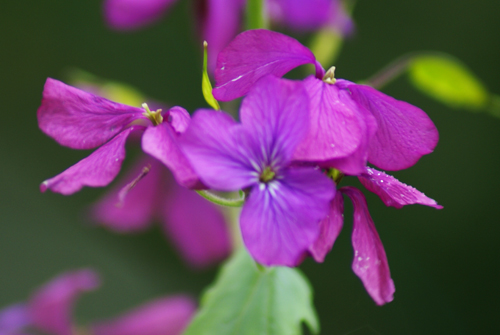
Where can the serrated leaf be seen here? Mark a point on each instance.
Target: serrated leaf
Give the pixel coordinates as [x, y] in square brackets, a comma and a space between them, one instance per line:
[448, 81]
[247, 299]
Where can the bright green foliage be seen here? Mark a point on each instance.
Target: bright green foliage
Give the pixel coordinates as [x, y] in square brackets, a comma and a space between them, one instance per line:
[249, 299]
[449, 81]
[256, 17]
[206, 86]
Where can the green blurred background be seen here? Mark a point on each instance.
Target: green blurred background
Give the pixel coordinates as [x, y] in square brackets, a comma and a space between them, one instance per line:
[444, 263]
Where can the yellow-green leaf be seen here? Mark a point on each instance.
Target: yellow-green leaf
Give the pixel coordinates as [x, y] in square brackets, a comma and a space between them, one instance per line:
[447, 80]
[206, 86]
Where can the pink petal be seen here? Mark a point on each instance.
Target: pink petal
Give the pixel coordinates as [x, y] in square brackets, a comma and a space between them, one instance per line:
[138, 208]
[164, 316]
[336, 126]
[97, 170]
[370, 262]
[280, 220]
[14, 319]
[195, 226]
[405, 133]
[161, 143]
[81, 120]
[134, 14]
[254, 54]
[51, 306]
[330, 229]
[393, 192]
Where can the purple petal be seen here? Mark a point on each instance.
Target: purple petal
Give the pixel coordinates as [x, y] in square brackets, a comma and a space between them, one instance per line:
[13, 319]
[336, 128]
[97, 170]
[310, 15]
[275, 114]
[179, 118]
[220, 21]
[254, 54]
[51, 306]
[280, 220]
[195, 226]
[164, 316]
[161, 143]
[393, 192]
[138, 208]
[217, 148]
[81, 120]
[405, 133]
[330, 229]
[134, 14]
[370, 262]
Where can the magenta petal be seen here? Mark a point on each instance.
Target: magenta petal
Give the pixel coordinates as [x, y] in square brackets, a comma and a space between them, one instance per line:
[195, 226]
[134, 14]
[215, 146]
[81, 120]
[336, 127]
[161, 143]
[370, 262]
[179, 119]
[138, 208]
[51, 306]
[14, 319]
[254, 54]
[164, 316]
[97, 170]
[280, 220]
[220, 22]
[275, 114]
[405, 132]
[393, 192]
[330, 229]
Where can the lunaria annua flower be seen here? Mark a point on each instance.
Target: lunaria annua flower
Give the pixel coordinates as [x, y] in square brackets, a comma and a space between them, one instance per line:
[50, 311]
[280, 218]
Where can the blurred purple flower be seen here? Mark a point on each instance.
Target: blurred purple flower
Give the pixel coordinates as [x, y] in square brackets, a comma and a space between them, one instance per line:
[370, 261]
[349, 124]
[81, 120]
[279, 220]
[218, 21]
[195, 226]
[50, 310]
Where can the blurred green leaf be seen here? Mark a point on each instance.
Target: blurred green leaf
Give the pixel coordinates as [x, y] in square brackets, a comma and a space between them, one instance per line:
[256, 16]
[326, 45]
[250, 299]
[448, 80]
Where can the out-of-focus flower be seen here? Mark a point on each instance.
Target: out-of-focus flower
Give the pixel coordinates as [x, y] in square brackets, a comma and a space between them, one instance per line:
[195, 226]
[350, 124]
[81, 120]
[370, 261]
[50, 310]
[279, 220]
[219, 21]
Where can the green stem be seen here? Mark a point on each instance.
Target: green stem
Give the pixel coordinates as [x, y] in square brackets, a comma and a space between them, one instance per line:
[220, 200]
[256, 15]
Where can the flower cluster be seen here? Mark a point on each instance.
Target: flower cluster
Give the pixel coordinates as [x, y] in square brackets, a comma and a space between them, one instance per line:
[49, 311]
[295, 142]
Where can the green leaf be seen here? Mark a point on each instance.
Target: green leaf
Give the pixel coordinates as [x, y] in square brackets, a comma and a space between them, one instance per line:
[206, 85]
[448, 80]
[326, 45]
[256, 16]
[247, 299]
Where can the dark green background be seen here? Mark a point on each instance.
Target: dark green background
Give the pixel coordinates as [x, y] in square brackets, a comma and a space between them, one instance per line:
[444, 263]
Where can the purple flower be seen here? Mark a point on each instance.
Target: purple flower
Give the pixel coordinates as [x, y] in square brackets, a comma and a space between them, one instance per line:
[50, 310]
[218, 21]
[349, 124]
[81, 120]
[279, 220]
[370, 261]
[200, 235]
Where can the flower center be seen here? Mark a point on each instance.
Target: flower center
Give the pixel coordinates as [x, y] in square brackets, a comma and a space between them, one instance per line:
[267, 175]
[335, 175]
[155, 117]
[329, 76]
